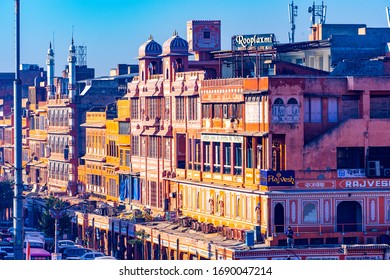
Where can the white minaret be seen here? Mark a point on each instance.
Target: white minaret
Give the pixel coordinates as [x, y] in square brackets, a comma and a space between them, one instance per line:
[50, 73]
[72, 71]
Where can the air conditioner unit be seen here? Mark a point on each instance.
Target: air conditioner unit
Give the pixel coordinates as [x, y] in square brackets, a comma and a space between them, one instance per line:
[373, 168]
[386, 172]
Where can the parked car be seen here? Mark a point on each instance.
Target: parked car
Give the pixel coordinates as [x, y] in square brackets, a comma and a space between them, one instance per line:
[9, 250]
[66, 242]
[75, 252]
[62, 249]
[105, 258]
[90, 256]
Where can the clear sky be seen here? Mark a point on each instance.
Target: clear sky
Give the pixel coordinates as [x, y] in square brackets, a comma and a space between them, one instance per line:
[113, 30]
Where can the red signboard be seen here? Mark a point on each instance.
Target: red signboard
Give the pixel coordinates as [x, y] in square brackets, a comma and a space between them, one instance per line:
[315, 184]
[364, 184]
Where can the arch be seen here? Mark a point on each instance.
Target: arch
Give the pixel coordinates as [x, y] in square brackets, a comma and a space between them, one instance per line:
[310, 213]
[279, 217]
[279, 101]
[292, 100]
[349, 216]
[179, 65]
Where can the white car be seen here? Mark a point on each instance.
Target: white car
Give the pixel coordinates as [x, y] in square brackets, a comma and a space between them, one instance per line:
[105, 258]
[66, 242]
[89, 256]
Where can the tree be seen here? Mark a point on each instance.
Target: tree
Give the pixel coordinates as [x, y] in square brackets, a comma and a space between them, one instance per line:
[6, 197]
[46, 221]
[139, 241]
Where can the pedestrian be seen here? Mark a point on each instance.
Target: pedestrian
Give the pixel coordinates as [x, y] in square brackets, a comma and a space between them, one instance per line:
[290, 237]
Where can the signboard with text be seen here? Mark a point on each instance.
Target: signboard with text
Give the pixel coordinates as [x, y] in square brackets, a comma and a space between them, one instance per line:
[351, 173]
[253, 42]
[277, 178]
[364, 184]
[315, 184]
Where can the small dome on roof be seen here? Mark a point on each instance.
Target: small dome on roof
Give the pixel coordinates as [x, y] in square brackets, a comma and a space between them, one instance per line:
[175, 46]
[72, 48]
[50, 50]
[149, 48]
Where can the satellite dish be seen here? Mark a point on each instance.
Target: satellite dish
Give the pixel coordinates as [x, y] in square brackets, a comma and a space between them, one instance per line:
[310, 9]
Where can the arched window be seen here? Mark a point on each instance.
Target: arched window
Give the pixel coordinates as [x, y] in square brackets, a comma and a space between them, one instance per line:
[278, 111]
[292, 101]
[278, 101]
[292, 111]
[310, 214]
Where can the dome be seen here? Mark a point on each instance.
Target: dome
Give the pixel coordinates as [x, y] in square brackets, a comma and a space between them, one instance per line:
[149, 48]
[175, 46]
[72, 48]
[50, 51]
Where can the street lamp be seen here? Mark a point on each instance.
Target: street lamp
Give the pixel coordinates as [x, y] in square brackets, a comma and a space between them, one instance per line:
[56, 214]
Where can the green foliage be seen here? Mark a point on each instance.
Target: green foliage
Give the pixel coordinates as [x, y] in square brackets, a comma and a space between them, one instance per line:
[139, 237]
[47, 222]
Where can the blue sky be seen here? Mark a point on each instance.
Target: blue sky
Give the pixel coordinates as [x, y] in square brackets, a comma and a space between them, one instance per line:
[113, 30]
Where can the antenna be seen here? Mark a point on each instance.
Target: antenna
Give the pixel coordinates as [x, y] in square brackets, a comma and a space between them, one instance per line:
[292, 13]
[53, 43]
[388, 16]
[318, 11]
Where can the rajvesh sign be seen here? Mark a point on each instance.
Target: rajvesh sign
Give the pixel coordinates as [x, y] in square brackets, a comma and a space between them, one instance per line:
[254, 41]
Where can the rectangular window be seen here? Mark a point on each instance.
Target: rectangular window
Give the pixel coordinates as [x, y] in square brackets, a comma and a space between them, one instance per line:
[227, 158]
[332, 109]
[225, 111]
[350, 107]
[167, 108]
[249, 154]
[350, 157]
[206, 154]
[217, 157]
[135, 145]
[217, 111]
[143, 146]
[167, 154]
[193, 108]
[197, 154]
[124, 128]
[313, 112]
[153, 149]
[379, 107]
[153, 108]
[134, 109]
[127, 158]
[153, 193]
[180, 108]
[237, 159]
[207, 111]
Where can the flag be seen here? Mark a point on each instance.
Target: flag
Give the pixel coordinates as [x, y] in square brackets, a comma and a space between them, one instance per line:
[28, 251]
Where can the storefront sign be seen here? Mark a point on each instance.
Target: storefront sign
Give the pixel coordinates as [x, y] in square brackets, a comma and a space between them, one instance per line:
[315, 185]
[364, 258]
[323, 258]
[351, 173]
[364, 183]
[254, 41]
[277, 178]
[183, 248]
[173, 245]
[222, 138]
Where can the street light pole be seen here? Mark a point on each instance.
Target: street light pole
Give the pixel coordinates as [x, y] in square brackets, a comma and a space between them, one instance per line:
[56, 214]
[18, 190]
